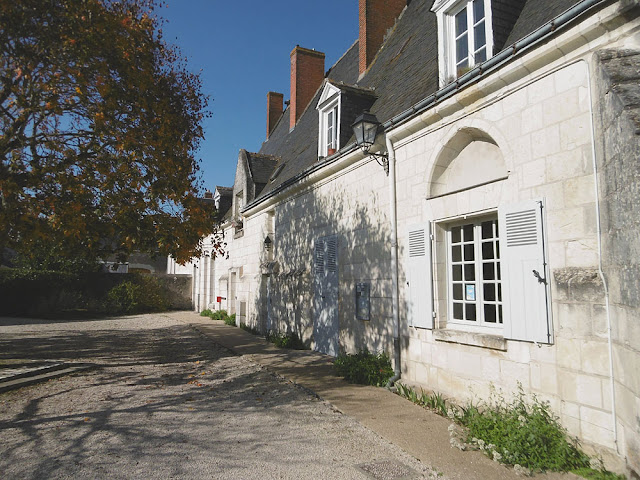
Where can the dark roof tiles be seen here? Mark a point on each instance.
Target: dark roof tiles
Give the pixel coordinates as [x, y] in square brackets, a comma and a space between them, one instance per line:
[261, 166]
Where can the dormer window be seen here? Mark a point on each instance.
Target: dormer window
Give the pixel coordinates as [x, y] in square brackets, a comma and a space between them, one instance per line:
[332, 130]
[465, 36]
[329, 120]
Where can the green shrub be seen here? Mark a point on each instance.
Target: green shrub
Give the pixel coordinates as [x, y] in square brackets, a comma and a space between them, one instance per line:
[287, 340]
[364, 367]
[219, 315]
[206, 313]
[140, 295]
[229, 319]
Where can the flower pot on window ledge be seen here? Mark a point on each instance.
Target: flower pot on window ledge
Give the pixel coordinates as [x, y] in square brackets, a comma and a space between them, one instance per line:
[330, 151]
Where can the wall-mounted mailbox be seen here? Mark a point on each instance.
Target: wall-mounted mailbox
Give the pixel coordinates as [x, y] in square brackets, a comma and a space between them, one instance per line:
[363, 301]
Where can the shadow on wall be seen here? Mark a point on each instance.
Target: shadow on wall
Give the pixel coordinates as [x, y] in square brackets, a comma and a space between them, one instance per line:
[327, 242]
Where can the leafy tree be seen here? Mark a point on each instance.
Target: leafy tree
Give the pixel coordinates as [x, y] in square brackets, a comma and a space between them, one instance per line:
[99, 122]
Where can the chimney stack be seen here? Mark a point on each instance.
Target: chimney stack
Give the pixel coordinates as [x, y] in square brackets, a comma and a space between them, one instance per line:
[307, 74]
[274, 110]
[376, 17]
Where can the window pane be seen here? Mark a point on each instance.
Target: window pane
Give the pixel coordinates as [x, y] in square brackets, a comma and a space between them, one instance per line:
[461, 22]
[481, 56]
[470, 272]
[457, 311]
[488, 271]
[456, 253]
[500, 313]
[469, 253]
[500, 292]
[478, 10]
[470, 311]
[490, 313]
[479, 36]
[462, 49]
[468, 233]
[487, 250]
[487, 230]
[498, 268]
[489, 292]
[455, 234]
[457, 273]
[498, 249]
[457, 291]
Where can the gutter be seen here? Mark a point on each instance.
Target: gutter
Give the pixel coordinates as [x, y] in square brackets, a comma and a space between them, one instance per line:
[473, 76]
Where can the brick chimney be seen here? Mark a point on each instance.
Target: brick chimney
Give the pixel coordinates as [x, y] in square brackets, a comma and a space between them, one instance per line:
[274, 110]
[307, 74]
[376, 17]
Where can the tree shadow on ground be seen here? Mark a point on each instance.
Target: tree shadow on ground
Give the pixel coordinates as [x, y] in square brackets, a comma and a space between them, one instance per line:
[163, 396]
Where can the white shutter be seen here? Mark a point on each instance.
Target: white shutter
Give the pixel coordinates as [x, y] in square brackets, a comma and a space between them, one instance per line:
[525, 274]
[420, 297]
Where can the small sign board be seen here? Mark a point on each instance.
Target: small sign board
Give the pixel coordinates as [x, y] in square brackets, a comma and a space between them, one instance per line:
[470, 292]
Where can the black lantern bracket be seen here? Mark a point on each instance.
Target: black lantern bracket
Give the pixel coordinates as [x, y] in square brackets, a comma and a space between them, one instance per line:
[365, 129]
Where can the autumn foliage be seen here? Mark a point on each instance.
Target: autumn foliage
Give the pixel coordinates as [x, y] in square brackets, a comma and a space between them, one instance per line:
[99, 122]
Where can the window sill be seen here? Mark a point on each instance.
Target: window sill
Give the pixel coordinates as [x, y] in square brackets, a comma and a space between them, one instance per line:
[483, 340]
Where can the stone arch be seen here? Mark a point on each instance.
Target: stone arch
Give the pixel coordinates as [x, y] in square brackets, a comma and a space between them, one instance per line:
[470, 157]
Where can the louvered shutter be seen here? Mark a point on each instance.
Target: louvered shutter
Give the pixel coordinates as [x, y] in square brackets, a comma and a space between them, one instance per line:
[332, 254]
[420, 296]
[318, 257]
[525, 284]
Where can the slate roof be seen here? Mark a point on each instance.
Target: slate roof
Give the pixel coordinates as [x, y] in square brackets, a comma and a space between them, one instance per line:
[261, 166]
[404, 72]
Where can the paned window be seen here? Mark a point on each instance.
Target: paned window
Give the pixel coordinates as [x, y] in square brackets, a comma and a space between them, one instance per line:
[464, 36]
[470, 36]
[332, 129]
[474, 278]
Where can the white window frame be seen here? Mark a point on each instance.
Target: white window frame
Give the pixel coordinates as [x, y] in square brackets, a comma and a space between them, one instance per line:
[330, 103]
[479, 325]
[445, 11]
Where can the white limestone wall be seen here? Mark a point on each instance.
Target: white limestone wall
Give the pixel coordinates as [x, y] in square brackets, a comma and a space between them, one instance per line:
[354, 206]
[543, 129]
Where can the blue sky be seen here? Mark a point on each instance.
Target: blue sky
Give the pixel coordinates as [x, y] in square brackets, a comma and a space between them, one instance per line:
[242, 50]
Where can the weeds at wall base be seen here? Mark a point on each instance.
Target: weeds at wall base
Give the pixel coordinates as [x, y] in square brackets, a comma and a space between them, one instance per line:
[523, 433]
[281, 340]
[364, 368]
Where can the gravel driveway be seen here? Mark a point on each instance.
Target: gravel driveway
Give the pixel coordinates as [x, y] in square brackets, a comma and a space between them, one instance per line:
[166, 402]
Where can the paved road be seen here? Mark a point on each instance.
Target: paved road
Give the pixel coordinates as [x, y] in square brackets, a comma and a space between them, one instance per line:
[167, 402]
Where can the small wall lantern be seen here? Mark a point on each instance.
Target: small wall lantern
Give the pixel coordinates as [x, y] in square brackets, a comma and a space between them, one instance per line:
[268, 243]
[365, 129]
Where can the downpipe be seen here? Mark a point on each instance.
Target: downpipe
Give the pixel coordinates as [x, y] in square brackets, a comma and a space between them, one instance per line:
[394, 264]
[614, 416]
